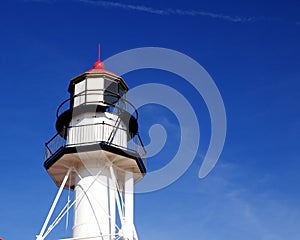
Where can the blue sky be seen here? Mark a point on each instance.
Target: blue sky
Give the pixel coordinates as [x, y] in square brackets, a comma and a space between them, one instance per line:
[250, 49]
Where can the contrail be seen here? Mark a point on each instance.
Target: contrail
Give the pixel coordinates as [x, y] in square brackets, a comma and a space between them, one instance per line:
[169, 11]
[162, 12]
[175, 12]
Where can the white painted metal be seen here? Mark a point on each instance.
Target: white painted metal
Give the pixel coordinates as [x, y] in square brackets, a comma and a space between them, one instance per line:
[41, 235]
[119, 200]
[102, 190]
[128, 199]
[97, 127]
[93, 213]
[94, 86]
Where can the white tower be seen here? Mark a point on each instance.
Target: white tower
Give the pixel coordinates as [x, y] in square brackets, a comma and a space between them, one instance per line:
[98, 153]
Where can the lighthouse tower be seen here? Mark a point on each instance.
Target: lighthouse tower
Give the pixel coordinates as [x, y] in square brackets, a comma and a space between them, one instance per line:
[98, 154]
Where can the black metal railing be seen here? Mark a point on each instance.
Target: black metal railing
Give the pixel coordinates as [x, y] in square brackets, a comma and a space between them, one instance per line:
[114, 102]
[96, 133]
[54, 145]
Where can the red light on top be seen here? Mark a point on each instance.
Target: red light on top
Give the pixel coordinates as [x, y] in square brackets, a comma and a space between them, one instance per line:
[98, 65]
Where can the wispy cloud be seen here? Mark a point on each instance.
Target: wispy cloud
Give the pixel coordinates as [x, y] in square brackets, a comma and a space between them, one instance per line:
[41, 1]
[175, 12]
[162, 12]
[169, 11]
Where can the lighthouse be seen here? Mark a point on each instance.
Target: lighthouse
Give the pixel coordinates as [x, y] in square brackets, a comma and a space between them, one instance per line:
[97, 153]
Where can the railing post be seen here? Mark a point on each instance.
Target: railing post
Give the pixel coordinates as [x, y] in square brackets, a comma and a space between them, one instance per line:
[135, 145]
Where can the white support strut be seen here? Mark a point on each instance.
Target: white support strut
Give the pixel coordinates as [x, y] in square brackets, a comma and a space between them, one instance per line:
[121, 214]
[128, 199]
[40, 236]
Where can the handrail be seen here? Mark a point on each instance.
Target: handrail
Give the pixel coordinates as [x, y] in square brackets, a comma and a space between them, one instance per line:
[134, 145]
[106, 93]
[54, 145]
[80, 94]
[51, 139]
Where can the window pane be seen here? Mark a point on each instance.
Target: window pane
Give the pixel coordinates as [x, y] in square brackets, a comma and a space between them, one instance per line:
[111, 86]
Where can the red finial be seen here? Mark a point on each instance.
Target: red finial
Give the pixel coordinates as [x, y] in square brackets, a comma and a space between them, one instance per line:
[99, 64]
[98, 52]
